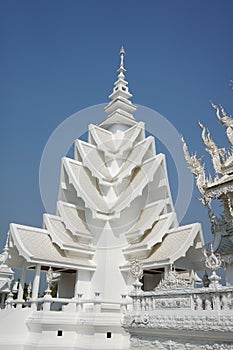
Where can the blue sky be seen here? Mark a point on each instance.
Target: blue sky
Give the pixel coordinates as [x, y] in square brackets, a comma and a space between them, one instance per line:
[58, 57]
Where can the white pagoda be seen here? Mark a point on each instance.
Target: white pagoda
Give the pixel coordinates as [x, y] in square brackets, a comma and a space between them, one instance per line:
[114, 207]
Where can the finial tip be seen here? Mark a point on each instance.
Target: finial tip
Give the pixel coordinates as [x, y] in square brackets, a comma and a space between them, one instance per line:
[122, 51]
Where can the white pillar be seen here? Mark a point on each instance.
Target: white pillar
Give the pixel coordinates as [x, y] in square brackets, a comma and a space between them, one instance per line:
[36, 282]
[166, 271]
[76, 284]
[21, 283]
[3, 301]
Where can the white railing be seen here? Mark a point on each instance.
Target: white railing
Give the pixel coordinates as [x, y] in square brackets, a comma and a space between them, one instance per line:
[76, 304]
[189, 298]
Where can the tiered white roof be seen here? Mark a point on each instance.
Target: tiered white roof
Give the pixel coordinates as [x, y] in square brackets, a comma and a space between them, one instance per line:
[36, 245]
[115, 190]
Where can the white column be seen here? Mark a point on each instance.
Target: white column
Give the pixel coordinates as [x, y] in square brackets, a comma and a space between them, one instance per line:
[76, 284]
[166, 270]
[21, 283]
[3, 301]
[36, 282]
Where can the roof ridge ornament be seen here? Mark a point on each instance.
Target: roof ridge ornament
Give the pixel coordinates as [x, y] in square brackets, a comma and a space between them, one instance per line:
[225, 120]
[216, 153]
[198, 169]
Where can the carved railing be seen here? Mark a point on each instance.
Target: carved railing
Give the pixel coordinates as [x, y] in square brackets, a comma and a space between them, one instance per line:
[189, 298]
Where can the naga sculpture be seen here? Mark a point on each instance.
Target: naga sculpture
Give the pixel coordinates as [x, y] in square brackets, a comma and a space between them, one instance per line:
[197, 168]
[225, 120]
[216, 153]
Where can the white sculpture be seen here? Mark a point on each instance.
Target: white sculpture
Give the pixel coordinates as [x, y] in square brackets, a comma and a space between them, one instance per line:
[211, 147]
[198, 169]
[225, 120]
[213, 262]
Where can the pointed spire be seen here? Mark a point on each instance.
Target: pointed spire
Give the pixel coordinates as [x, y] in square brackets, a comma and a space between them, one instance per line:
[121, 95]
[122, 69]
[121, 88]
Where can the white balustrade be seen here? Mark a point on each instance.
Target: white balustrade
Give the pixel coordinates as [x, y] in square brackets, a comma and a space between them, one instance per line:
[48, 303]
[190, 298]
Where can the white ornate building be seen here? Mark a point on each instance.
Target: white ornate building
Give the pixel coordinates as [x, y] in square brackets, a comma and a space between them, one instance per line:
[114, 206]
[219, 188]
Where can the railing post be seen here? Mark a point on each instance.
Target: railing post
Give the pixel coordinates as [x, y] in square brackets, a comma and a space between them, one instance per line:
[143, 303]
[138, 304]
[198, 303]
[225, 301]
[9, 301]
[21, 288]
[79, 304]
[207, 302]
[216, 301]
[97, 303]
[47, 300]
[123, 304]
[192, 301]
[134, 302]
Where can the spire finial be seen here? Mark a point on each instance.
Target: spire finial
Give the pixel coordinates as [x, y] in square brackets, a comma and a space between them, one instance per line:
[122, 54]
[121, 95]
[122, 69]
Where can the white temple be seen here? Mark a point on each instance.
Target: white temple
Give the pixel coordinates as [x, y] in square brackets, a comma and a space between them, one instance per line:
[115, 220]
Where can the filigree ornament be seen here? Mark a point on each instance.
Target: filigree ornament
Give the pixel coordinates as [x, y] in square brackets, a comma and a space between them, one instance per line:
[212, 261]
[136, 269]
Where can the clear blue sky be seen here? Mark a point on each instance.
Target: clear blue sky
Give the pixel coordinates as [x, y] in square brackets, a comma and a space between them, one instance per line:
[58, 57]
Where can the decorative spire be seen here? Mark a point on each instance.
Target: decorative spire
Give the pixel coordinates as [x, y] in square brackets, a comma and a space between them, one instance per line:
[121, 96]
[122, 69]
[121, 88]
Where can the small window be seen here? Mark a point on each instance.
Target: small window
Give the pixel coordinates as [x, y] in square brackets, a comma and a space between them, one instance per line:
[59, 333]
[123, 88]
[109, 334]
